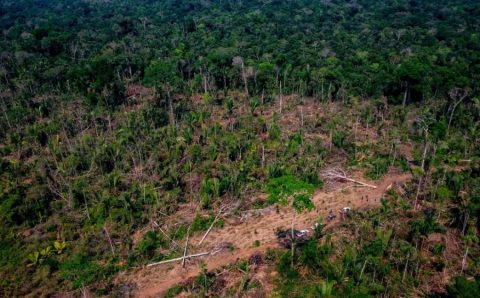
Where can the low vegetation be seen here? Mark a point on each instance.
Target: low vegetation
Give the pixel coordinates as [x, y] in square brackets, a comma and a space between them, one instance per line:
[125, 128]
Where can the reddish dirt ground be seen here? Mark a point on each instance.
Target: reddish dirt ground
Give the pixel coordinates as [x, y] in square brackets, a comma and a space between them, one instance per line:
[154, 281]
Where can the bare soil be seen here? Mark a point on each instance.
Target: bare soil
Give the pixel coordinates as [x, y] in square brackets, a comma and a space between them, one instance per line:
[261, 226]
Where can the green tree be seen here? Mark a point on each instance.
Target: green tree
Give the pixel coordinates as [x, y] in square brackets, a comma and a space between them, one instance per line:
[287, 190]
[163, 74]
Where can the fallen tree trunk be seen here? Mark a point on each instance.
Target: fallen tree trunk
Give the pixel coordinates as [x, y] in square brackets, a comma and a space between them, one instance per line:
[166, 236]
[222, 212]
[209, 229]
[187, 257]
[338, 174]
[359, 182]
[180, 258]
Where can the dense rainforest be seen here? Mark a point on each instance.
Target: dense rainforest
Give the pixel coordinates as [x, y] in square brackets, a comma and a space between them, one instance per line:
[128, 127]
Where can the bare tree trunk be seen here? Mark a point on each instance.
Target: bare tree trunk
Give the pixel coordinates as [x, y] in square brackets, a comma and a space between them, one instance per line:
[186, 246]
[301, 115]
[109, 240]
[293, 235]
[170, 109]
[464, 261]
[83, 290]
[405, 97]
[424, 156]
[406, 267]
[465, 221]
[329, 90]
[363, 269]
[457, 95]
[322, 92]
[451, 114]
[109, 123]
[394, 154]
[191, 183]
[205, 90]
[417, 194]
[263, 156]
[245, 80]
[355, 138]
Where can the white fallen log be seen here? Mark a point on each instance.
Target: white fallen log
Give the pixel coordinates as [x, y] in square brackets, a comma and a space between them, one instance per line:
[223, 211]
[213, 252]
[168, 237]
[209, 229]
[179, 259]
[360, 182]
[338, 174]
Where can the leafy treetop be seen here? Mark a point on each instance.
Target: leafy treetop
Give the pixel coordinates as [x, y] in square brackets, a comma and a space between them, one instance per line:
[289, 190]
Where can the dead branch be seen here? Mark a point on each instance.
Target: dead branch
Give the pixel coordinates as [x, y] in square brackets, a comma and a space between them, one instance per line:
[340, 175]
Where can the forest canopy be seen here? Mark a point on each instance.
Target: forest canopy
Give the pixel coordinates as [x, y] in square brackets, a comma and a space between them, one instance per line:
[118, 116]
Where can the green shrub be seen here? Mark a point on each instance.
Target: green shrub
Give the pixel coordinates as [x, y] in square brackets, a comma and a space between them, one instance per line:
[150, 242]
[80, 270]
[173, 292]
[464, 288]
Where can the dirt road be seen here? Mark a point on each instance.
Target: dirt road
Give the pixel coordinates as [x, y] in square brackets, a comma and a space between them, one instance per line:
[153, 281]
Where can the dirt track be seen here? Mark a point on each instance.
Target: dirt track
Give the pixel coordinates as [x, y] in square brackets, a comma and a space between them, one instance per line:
[153, 281]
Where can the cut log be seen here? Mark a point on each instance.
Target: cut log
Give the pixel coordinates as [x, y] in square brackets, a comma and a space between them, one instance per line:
[222, 212]
[179, 259]
[338, 174]
[360, 182]
[213, 252]
[209, 229]
[166, 236]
